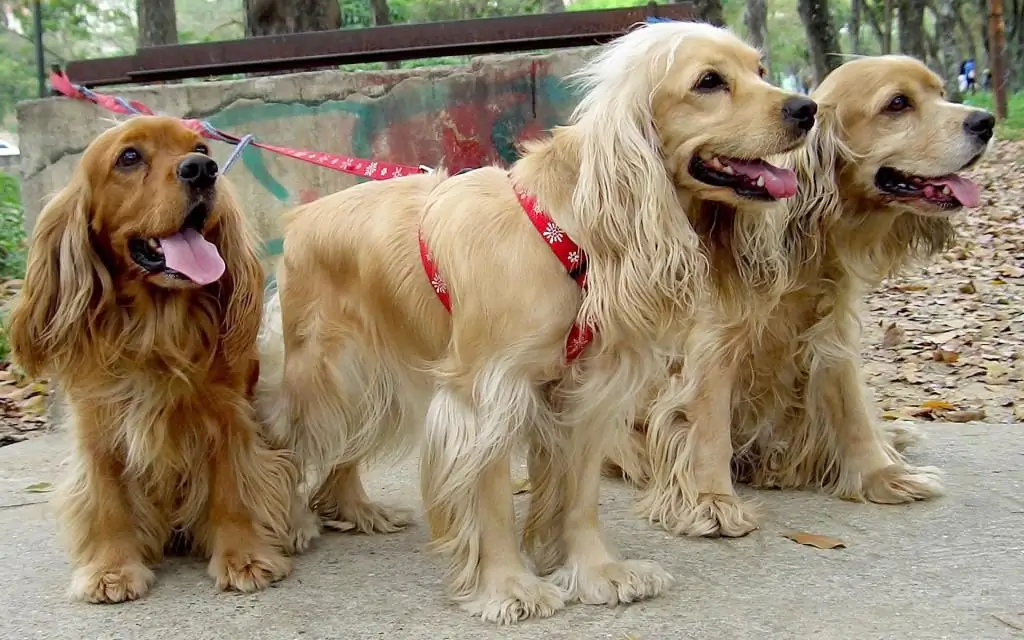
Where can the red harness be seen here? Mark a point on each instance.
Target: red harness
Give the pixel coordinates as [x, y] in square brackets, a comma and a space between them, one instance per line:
[568, 253]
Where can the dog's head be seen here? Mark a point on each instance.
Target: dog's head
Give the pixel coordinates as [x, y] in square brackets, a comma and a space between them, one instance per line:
[719, 119]
[900, 143]
[155, 203]
[145, 217]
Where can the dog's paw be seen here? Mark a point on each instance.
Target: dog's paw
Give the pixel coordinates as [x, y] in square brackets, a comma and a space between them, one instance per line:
[110, 584]
[248, 571]
[372, 517]
[513, 598]
[897, 484]
[614, 582]
[305, 527]
[712, 515]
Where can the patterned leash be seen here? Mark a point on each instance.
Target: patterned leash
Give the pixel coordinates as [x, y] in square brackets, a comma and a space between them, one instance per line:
[372, 169]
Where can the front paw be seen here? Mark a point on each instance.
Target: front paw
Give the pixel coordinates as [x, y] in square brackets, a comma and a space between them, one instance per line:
[898, 484]
[712, 515]
[111, 584]
[509, 599]
[613, 582]
[248, 571]
[305, 527]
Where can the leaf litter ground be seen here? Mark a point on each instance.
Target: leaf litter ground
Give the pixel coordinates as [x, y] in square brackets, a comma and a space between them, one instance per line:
[943, 341]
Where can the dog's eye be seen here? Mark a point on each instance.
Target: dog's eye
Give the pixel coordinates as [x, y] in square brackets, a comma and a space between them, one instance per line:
[203, 149]
[129, 158]
[710, 81]
[897, 104]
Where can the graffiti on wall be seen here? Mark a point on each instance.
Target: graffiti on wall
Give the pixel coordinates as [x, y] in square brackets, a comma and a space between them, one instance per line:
[459, 122]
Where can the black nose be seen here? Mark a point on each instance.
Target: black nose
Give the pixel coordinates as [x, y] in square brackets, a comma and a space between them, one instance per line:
[198, 171]
[799, 112]
[980, 124]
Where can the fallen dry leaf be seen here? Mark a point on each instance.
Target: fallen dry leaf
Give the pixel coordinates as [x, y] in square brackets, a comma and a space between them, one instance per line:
[945, 355]
[970, 415]
[39, 487]
[894, 336]
[814, 540]
[522, 485]
[942, 405]
[34, 405]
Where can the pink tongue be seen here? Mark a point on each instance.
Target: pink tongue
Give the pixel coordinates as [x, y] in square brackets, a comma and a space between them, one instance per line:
[193, 256]
[964, 190]
[779, 183]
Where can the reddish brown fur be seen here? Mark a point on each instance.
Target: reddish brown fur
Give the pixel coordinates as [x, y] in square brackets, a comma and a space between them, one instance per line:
[156, 374]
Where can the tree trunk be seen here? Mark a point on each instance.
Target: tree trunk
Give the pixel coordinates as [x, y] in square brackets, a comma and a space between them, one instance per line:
[945, 25]
[875, 20]
[887, 27]
[273, 17]
[856, 8]
[967, 31]
[158, 22]
[755, 18]
[911, 28]
[709, 11]
[382, 17]
[554, 6]
[983, 12]
[822, 41]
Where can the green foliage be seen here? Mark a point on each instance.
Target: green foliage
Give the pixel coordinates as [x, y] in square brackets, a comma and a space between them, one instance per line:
[12, 229]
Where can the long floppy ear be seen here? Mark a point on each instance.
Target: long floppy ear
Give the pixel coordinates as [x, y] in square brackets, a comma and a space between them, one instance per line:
[240, 291]
[817, 165]
[625, 199]
[818, 199]
[64, 281]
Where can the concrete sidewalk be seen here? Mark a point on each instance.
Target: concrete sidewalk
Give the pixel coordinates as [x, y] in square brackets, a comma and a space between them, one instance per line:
[953, 568]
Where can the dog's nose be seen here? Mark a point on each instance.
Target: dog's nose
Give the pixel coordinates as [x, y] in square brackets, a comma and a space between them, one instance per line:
[198, 171]
[980, 124]
[799, 111]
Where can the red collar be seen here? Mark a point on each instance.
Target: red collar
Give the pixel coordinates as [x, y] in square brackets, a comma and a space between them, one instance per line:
[572, 257]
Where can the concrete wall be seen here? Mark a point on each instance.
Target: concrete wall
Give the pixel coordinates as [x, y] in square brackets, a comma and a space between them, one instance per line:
[456, 116]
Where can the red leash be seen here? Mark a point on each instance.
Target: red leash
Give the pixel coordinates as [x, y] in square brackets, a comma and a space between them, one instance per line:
[374, 170]
[568, 252]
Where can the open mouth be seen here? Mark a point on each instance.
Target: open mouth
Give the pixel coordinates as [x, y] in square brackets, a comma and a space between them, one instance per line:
[753, 179]
[184, 255]
[945, 192]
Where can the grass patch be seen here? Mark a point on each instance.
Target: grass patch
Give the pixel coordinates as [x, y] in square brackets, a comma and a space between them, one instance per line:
[1012, 128]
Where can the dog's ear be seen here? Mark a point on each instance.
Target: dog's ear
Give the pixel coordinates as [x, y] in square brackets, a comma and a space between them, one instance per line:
[240, 290]
[65, 280]
[817, 165]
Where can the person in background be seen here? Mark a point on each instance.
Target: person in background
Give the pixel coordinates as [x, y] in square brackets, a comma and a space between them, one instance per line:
[970, 73]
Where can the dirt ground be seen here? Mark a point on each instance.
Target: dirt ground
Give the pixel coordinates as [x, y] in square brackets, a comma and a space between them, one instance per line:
[944, 342]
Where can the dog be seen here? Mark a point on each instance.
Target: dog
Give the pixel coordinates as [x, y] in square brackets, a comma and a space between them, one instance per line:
[361, 357]
[143, 298]
[772, 394]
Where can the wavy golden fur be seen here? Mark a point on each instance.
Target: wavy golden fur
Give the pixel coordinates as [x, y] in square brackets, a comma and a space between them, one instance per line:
[360, 358]
[775, 390]
[157, 370]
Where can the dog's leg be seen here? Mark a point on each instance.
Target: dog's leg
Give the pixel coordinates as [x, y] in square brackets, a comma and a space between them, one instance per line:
[870, 467]
[250, 511]
[691, 491]
[592, 573]
[341, 497]
[110, 527]
[467, 491]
